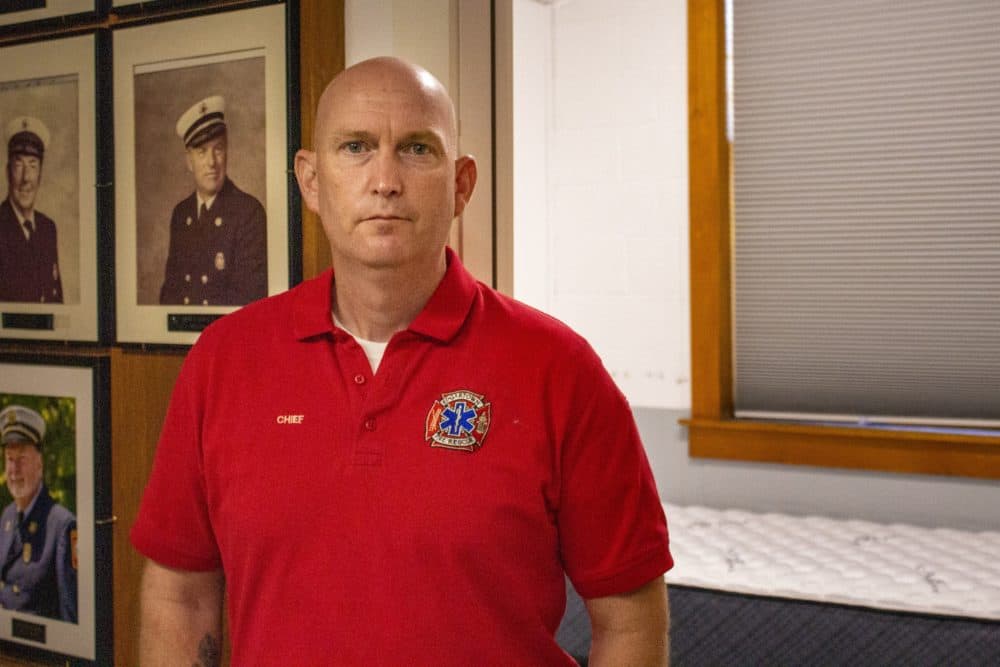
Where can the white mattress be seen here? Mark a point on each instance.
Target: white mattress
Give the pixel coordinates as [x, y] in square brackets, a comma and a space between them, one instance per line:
[885, 566]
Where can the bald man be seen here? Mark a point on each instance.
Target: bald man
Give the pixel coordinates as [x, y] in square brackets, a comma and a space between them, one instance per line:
[393, 463]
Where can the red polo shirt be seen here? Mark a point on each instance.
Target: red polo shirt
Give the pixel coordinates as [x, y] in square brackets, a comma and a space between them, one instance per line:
[421, 515]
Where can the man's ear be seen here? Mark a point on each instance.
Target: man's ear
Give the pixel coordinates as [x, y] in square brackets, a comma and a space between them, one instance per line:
[305, 174]
[465, 181]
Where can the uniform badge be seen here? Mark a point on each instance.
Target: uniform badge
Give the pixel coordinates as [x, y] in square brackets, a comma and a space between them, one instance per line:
[458, 420]
[32, 527]
[220, 261]
[27, 553]
[218, 222]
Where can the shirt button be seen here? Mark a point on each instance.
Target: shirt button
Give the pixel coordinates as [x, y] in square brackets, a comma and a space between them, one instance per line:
[369, 424]
[359, 379]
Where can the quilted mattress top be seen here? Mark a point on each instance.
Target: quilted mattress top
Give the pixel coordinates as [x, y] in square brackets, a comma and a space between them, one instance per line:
[886, 566]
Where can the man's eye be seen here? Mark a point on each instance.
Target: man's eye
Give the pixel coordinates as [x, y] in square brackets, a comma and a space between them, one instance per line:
[419, 149]
[354, 147]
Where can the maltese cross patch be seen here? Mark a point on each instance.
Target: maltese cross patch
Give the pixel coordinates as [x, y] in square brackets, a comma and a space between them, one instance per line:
[458, 420]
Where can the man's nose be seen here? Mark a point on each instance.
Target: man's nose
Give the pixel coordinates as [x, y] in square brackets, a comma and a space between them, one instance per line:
[386, 180]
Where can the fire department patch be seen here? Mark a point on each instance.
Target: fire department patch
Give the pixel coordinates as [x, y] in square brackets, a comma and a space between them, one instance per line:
[459, 420]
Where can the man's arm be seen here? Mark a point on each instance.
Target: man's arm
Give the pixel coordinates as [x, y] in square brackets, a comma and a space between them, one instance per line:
[181, 617]
[632, 628]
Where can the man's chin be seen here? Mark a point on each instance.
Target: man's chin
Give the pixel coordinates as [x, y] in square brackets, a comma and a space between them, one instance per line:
[24, 203]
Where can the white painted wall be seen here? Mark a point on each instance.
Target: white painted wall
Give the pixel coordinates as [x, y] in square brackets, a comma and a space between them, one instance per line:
[600, 183]
[613, 164]
[419, 30]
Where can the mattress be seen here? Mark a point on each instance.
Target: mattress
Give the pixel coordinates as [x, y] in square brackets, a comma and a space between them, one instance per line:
[752, 589]
[894, 566]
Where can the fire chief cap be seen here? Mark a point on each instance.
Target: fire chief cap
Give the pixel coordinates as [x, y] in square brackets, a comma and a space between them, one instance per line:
[27, 136]
[19, 424]
[206, 119]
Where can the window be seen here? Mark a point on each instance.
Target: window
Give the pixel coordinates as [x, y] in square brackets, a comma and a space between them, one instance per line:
[715, 430]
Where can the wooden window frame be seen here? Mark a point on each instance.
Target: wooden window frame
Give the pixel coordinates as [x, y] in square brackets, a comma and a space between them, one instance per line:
[713, 431]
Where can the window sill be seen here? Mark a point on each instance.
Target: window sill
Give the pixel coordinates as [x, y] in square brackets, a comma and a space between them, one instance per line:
[888, 450]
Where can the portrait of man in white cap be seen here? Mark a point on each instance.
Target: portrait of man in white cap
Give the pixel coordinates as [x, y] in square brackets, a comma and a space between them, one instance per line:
[38, 556]
[29, 255]
[217, 252]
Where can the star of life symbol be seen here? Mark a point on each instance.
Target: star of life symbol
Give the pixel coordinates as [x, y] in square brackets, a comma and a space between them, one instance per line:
[458, 420]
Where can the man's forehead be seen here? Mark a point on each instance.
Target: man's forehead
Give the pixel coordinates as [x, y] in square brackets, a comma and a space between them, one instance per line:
[370, 118]
[387, 90]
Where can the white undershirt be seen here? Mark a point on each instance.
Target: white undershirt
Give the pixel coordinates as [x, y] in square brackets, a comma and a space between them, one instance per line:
[206, 202]
[374, 351]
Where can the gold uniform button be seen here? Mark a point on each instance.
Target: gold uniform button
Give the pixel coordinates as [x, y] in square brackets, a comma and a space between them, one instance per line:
[189, 221]
[204, 302]
[187, 300]
[187, 277]
[16, 589]
[204, 279]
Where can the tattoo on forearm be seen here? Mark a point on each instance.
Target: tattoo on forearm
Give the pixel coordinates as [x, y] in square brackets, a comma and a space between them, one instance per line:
[208, 652]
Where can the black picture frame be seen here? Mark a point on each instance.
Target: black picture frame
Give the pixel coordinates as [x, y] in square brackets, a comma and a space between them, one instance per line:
[18, 15]
[161, 68]
[61, 82]
[55, 386]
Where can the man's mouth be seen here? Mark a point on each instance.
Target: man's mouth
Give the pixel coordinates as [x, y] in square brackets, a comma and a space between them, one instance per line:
[384, 217]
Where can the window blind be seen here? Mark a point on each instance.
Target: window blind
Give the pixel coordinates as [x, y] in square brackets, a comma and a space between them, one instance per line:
[866, 209]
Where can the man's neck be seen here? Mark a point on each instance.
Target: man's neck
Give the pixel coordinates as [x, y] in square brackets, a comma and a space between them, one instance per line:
[376, 303]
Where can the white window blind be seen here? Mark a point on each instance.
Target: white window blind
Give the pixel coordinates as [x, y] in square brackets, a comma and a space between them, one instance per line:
[866, 167]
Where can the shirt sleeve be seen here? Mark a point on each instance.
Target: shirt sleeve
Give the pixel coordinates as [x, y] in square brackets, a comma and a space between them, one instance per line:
[173, 526]
[612, 529]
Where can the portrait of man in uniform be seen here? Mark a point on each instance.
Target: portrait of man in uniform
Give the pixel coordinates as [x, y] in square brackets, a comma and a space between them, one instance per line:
[29, 253]
[218, 234]
[38, 535]
[201, 139]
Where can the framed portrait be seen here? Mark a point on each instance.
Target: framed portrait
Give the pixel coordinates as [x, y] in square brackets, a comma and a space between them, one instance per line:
[19, 12]
[55, 593]
[50, 287]
[201, 170]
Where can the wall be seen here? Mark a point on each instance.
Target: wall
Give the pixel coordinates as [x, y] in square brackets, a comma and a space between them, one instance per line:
[596, 193]
[600, 183]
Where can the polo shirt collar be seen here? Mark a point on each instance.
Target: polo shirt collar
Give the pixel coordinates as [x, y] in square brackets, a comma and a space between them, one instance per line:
[440, 319]
[311, 306]
[449, 305]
